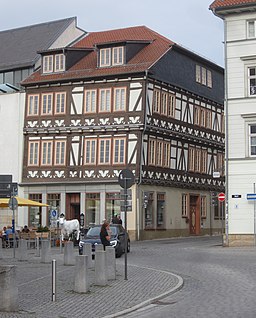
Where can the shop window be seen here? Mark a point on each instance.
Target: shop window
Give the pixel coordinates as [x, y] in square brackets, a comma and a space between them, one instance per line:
[160, 210]
[149, 209]
[35, 213]
[112, 205]
[92, 209]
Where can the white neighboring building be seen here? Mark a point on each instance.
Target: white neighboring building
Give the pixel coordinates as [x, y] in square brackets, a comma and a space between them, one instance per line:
[16, 63]
[240, 107]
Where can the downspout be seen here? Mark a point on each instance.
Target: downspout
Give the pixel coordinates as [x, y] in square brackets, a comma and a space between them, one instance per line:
[226, 135]
[138, 203]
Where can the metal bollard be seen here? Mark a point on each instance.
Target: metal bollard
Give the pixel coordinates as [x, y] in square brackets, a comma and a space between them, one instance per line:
[53, 280]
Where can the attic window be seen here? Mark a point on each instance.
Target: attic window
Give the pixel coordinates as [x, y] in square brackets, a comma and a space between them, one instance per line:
[111, 56]
[53, 63]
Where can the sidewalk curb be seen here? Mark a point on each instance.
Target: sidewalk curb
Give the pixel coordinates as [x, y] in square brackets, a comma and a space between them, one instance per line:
[149, 301]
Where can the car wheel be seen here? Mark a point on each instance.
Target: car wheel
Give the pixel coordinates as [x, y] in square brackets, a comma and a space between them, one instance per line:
[128, 246]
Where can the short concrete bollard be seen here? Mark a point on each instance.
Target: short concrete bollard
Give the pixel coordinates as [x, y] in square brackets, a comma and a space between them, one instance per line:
[87, 250]
[45, 251]
[99, 247]
[22, 251]
[111, 262]
[1, 248]
[100, 268]
[69, 257]
[81, 274]
[37, 247]
[9, 290]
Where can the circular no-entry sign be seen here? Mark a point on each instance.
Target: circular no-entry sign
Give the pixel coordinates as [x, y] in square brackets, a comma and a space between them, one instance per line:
[126, 178]
[221, 197]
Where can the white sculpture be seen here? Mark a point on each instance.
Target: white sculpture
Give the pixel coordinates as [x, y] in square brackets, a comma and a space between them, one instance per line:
[68, 227]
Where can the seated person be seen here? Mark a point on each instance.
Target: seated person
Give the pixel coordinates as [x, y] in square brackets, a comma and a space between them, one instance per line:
[25, 229]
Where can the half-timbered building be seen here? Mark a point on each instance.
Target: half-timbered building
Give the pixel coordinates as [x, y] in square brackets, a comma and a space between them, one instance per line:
[126, 99]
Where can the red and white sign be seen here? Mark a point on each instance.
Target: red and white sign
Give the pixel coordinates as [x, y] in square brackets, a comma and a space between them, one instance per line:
[221, 197]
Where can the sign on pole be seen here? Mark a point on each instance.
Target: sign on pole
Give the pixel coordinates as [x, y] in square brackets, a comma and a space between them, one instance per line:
[221, 197]
[126, 180]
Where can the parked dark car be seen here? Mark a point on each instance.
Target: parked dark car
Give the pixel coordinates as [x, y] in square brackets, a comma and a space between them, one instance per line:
[117, 239]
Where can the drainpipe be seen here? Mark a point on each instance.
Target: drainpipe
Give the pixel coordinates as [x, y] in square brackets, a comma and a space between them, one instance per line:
[226, 134]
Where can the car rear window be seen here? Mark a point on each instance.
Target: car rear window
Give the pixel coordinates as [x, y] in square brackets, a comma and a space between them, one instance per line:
[95, 231]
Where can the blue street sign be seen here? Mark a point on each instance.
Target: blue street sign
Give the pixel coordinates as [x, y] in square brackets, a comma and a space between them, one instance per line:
[251, 196]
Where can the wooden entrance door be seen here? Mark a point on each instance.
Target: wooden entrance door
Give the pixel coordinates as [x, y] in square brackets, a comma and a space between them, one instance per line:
[73, 206]
[194, 212]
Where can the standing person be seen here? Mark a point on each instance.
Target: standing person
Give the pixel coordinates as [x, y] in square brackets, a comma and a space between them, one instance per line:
[115, 219]
[119, 220]
[104, 235]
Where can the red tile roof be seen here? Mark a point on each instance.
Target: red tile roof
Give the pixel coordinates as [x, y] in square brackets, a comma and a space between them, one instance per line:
[229, 3]
[87, 66]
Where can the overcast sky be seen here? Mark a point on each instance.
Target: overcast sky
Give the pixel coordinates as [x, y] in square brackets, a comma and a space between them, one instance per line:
[189, 23]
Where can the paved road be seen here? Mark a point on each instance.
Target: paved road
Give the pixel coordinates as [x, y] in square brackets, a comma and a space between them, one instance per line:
[218, 282]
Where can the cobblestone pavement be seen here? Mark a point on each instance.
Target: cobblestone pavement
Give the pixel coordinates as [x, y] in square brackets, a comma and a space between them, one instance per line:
[34, 288]
[219, 282]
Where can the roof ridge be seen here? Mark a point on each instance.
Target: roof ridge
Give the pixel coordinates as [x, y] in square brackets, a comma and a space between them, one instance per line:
[38, 24]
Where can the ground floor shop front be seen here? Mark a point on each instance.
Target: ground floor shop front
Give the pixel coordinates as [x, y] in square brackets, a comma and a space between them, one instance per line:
[153, 212]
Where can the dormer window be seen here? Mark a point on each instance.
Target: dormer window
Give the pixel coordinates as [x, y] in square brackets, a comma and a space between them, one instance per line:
[59, 62]
[53, 63]
[105, 57]
[111, 56]
[48, 64]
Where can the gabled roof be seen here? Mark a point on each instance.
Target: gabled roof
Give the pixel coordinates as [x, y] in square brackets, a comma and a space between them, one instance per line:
[155, 47]
[226, 6]
[21, 44]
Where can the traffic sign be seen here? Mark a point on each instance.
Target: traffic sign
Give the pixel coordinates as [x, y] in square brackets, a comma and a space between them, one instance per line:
[126, 178]
[13, 203]
[221, 197]
[251, 196]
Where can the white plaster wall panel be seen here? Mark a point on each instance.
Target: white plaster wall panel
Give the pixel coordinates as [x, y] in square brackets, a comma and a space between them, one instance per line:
[131, 146]
[237, 140]
[78, 101]
[134, 95]
[11, 135]
[149, 101]
[67, 36]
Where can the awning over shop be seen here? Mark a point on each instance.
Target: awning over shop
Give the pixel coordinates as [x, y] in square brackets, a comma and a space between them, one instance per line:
[4, 202]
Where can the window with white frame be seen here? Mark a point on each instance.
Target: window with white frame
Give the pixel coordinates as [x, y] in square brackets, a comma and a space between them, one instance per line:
[164, 103]
[90, 101]
[159, 153]
[59, 63]
[203, 71]
[60, 103]
[166, 154]
[203, 207]
[202, 117]
[118, 55]
[60, 152]
[171, 105]
[105, 100]
[152, 152]
[251, 29]
[208, 118]
[191, 159]
[156, 101]
[204, 161]
[252, 81]
[104, 151]
[184, 205]
[252, 140]
[33, 105]
[33, 153]
[47, 100]
[198, 160]
[119, 151]
[119, 99]
[48, 64]
[220, 162]
[90, 151]
[197, 115]
[46, 154]
[105, 55]
[203, 76]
